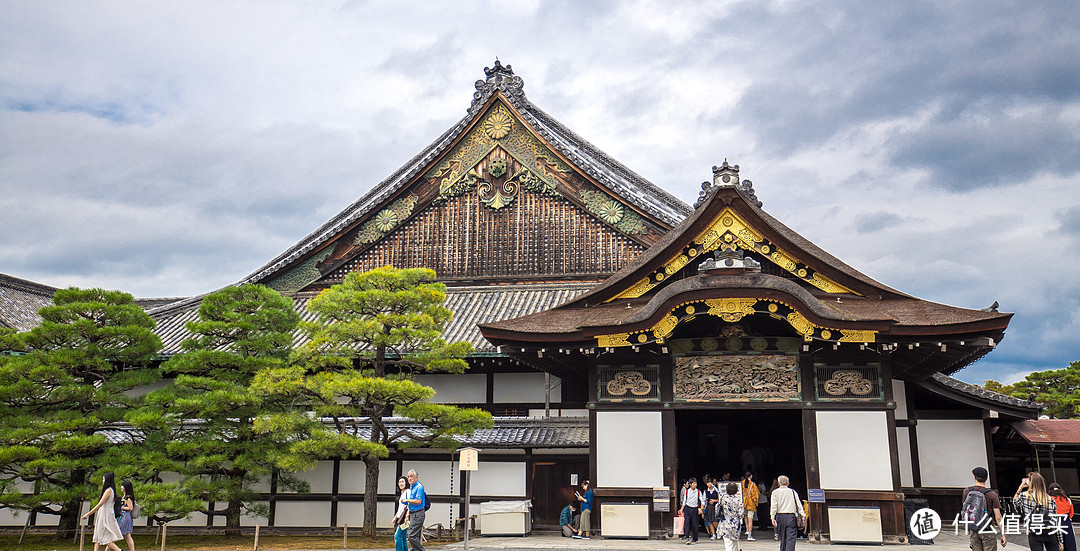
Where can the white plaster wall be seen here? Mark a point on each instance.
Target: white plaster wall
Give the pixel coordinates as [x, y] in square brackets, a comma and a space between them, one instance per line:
[629, 449]
[12, 517]
[524, 387]
[456, 388]
[195, 519]
[53, 520]
[853, 450]
[321, 479]
[434, 475]
[903, 448]
[352, 513]
[353, 477]
[247, 519]
[899, 391]
[948, 450]
[498, 479]
[302, 513]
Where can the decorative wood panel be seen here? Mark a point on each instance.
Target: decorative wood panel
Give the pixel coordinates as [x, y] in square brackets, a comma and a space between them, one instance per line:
[737, 377]
[534, 236]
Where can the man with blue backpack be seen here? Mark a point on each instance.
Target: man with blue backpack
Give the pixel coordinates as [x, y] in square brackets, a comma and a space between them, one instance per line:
[418, 506]
[981, 514]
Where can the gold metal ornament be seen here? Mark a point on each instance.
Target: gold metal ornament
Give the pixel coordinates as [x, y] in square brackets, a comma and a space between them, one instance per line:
[498, 125]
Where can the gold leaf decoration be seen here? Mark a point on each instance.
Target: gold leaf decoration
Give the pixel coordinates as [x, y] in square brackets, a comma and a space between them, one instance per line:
[729, 227]
[498, 124]
[614, 213]
[386, 220]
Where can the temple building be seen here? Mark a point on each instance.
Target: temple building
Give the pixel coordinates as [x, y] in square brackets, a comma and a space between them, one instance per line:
[625, 337]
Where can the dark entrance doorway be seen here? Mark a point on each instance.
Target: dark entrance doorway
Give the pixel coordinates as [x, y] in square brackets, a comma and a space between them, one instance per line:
[551, 489]
[767, 442]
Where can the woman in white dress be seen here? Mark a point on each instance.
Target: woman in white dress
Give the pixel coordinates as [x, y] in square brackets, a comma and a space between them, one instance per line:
[106, 529]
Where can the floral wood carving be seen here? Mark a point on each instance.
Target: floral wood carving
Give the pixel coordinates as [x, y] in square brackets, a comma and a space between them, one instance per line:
[300, 276]
[614, 213]
[737, 377]
[633, 381]
[461, 170]
[386, 220]
[843, 381]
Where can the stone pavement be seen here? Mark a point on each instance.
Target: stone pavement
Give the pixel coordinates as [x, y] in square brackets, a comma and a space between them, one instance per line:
[555, 542]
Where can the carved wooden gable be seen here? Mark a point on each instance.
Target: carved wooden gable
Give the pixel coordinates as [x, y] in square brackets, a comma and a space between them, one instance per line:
[500, 204]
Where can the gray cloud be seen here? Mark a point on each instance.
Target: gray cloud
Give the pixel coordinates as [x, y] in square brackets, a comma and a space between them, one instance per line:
[991, 149]
[876, 221]
[169, 151]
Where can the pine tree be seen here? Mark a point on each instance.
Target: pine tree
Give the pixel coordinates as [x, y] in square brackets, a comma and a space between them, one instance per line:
[56, 399]
[374, 330]
[201, 425]
[1058, 390]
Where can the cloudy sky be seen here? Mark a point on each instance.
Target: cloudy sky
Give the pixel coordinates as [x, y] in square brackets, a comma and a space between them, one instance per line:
[171, 148]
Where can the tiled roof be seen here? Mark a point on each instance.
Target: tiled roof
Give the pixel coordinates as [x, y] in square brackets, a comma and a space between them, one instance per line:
[508, 432]
[1049, 431]
[512, 432]
[20, 301]
[471, 306]
[976, 390]
[620, 180]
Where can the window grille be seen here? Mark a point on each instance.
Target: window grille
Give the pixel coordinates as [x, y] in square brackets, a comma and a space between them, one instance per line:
[628, 383]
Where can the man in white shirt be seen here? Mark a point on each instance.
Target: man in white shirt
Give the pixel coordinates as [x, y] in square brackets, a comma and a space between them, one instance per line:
[693, 502]
[785, 511]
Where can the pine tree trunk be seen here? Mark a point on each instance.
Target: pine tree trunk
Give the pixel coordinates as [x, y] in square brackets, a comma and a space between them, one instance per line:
[71, 511]
[232, 518]
[69, 520]
[371, 491]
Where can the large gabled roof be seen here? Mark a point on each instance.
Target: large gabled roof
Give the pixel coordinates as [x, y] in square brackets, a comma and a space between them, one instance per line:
[817, 295]
[501, 83]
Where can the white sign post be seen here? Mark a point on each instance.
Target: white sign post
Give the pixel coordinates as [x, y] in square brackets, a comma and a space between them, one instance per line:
[467, 461]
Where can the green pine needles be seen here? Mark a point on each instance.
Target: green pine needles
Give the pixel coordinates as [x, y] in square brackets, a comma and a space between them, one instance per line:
[374, 331]
[72, 382]
[81, 395]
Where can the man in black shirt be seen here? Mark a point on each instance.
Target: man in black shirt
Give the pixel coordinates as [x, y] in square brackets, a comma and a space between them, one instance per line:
[984, 533]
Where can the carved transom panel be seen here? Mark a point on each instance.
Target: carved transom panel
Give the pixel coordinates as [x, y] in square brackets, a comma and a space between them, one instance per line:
[848, 382]
[628, 383]
[737, 377]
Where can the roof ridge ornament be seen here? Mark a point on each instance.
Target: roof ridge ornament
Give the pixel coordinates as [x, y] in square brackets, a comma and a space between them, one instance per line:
[727, 175]
[500, 77]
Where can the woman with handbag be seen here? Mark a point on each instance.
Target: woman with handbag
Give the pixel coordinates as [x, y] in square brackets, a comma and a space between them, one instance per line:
[401, 518]
[127, 513]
